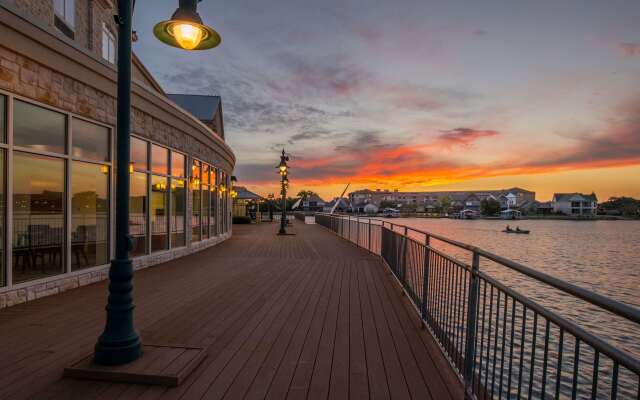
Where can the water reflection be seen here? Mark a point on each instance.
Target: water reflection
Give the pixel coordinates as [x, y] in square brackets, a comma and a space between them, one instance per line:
[38, 216]
[89, 215]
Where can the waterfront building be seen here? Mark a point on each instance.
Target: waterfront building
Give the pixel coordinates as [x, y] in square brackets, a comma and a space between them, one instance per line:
[312, 203]
[513, 198]
[246, 202]
[575, 204]
[57, 152]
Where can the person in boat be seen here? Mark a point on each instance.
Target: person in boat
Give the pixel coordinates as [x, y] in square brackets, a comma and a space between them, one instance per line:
[508, 228]
[517, 229]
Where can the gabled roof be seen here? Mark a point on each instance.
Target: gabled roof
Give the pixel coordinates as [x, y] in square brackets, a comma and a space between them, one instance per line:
[244, 194]
[200, 106]
[574, 197]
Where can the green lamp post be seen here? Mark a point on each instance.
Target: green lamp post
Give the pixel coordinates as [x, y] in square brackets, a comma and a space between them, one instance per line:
[120, 343]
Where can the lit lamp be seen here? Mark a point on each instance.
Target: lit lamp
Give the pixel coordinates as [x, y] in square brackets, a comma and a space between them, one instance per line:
[283, 170]
[119, 342]
[185, 29]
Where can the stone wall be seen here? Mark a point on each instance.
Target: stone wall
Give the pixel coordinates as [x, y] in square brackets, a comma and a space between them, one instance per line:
[93, 275]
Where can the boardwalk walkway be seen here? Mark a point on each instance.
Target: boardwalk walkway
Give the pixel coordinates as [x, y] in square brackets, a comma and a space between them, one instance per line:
[306, 316]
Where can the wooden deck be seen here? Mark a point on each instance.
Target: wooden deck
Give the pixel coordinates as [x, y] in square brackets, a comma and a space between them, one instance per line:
[298, 317]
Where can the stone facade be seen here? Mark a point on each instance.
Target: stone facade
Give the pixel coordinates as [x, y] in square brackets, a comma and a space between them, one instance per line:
[82, 278]
[89, 17]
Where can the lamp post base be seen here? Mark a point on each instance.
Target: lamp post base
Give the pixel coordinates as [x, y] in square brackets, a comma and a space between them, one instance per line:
[119, 342]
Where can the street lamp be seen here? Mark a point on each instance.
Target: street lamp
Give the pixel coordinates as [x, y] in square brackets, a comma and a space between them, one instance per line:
[283, 169]
[119, 343]
[270, 196]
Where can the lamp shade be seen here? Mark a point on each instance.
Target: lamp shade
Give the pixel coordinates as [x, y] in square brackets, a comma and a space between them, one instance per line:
[185, 29]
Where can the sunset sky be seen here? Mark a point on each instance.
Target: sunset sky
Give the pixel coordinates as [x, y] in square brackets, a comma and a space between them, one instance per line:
[419, 95]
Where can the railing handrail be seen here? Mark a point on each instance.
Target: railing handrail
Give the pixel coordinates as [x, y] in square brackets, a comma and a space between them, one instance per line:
[616, 307]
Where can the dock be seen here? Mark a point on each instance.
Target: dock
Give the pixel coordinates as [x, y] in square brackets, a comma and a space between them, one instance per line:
[310, 316]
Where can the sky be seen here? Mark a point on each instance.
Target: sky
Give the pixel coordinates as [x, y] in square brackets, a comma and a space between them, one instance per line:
[419, 95]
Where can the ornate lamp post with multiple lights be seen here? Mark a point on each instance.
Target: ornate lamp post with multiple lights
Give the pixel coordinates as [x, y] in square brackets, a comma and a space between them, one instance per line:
[283, 168]
[120, 343]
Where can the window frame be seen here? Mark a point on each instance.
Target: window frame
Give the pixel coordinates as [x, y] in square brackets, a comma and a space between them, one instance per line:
[110, 38]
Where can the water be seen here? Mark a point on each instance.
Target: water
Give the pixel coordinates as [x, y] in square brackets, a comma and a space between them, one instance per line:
[602, 256]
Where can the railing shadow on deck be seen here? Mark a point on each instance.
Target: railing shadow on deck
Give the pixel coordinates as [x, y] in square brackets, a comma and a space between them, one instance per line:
[500, 342]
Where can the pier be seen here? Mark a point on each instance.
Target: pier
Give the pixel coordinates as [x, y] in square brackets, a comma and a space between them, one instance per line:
[306, 316]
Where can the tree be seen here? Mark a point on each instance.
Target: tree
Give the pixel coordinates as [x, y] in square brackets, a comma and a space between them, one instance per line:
[489, 206]
[626, 206]
[444, 206]
[387, 204]
[306, 193]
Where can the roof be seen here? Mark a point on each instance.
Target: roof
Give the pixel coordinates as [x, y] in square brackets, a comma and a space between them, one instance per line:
[200, 106]
[316, 198]
[574, 197]
[244, 194]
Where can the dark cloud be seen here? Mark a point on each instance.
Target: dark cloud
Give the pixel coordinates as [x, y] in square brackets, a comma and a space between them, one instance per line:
[464, 136]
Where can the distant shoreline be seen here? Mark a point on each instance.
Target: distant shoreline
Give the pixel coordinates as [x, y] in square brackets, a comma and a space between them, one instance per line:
[531, 217]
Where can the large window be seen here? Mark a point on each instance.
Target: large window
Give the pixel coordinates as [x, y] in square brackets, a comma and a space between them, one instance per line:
[38, 216]
[214, 202]
[38, 128]
[159, 213]
[178, 200]
[89, 215]
[178, 211]
[138, 213]
[206, 199]
[3, 207]
[196, 210]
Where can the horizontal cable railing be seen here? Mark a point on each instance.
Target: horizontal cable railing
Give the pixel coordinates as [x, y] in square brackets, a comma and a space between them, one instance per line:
[502, 343]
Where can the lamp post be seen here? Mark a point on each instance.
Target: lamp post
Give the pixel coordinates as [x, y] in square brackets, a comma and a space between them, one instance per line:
[283, 169]
[270, 196]
[119, 343]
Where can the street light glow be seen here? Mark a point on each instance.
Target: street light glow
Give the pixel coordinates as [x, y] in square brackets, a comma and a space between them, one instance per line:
[187, 35]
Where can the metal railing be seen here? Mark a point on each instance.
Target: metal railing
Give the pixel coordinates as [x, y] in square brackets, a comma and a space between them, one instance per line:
[501, 343]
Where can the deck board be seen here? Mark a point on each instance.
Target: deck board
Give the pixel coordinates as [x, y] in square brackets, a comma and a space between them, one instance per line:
[309, 316]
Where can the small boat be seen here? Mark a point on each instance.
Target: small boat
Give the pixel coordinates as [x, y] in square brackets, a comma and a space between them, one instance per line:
[522, 231]
[390, 213]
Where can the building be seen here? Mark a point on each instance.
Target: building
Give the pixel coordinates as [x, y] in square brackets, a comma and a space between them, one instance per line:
[312, 203]
[433, 201]
[57, 142]
[575, 204]
[343, 205]
[246, 202]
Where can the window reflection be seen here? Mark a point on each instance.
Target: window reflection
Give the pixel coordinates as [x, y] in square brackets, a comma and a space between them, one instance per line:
[178, 210]
[177, 164]
[38, 128]
[195, 207]
[212, 204]
[138, 213]
[206, 199]
[3, 208]
[139, 154]
[159, 159]
[89, 215]
[38, 216]
[159, 216]
[3, 119]
[90, 141]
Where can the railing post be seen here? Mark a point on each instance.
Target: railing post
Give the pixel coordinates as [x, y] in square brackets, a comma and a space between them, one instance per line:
[357, 231]
[425, 280]
[369, 242]
[349, 227]
[404, 256]
[472, 316]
